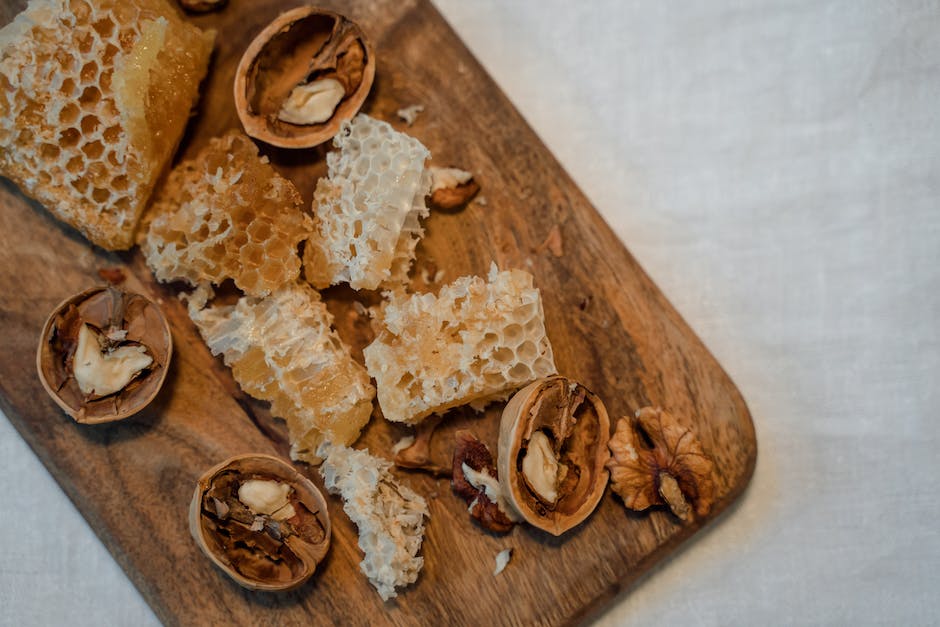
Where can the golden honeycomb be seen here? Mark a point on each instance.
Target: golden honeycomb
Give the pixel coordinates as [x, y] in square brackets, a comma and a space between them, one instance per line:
[474, 342]
[94, 98]
[282, 349]
[368, 210]
[227, 215]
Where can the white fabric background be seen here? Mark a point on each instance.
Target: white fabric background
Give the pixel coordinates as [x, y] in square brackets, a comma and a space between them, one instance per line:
[775, 166]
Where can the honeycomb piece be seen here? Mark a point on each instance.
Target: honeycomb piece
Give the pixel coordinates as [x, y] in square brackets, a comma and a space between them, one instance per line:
[388, 514]
[227, 214]
[94, 97]
[368, 209]
[476, 341]
[281, 349]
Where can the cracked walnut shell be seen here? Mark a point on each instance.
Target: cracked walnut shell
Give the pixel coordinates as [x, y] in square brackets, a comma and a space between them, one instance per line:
[305, 74]
[261, 521]
[103, 354]
[552, 453]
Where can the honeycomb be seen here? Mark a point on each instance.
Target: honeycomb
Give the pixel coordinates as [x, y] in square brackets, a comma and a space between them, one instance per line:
[367, 211]
[227, 214]
[389, 515]
[476, 341]
[94, 97]
[282, 349]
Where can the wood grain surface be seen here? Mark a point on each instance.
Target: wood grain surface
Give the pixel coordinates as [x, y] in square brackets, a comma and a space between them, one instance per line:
[610, 327]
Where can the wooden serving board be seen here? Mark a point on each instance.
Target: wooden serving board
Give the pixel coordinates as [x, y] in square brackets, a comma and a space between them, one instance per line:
[611, 328]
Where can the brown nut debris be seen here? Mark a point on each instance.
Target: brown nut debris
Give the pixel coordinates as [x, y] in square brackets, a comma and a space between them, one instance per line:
[417, 454]
[202, 6]
[657, 461]
[451, 188]
[262, 522]
[552, 450]
[308, 71]
[103, 354]
[475, 480]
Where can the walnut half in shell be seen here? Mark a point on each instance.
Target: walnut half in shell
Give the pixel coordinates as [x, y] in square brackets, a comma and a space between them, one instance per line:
[303, 75]
[103, 354]
[262, 522]
[552, 449]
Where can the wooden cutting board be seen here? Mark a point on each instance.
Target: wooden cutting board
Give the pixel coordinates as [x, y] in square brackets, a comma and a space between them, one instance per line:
[610, 326]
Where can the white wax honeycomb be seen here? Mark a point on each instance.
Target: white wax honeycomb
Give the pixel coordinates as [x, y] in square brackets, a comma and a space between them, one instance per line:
[282, 349]
[368, 209]
[227, 215]
[474, 342]
[389, 515]
[94, 97]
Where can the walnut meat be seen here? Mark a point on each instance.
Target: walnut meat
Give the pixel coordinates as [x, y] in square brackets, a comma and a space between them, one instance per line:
[262, 522]
[103, 354]
[475, 480]
[303, 75]
[552, 450]
[657, 461]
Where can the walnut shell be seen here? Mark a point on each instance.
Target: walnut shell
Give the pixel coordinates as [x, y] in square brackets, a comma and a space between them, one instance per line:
[281, 554]
[575, 427]
[144, 324]
[301, 46]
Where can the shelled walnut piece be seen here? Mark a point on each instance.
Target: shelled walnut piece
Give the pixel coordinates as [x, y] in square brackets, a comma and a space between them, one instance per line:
[657, 461]
[302, 76]
[202, 6]
[262, 522]
[552, 449]
[476, 481]
[451, 188]
[103, 354]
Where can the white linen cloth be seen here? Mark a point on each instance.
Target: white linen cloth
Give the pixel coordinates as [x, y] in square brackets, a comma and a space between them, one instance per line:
[775, 166]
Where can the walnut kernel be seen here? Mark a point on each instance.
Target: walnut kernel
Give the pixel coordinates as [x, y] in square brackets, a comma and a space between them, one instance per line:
[657, 461]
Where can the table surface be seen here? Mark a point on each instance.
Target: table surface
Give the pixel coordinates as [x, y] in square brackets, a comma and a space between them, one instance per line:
[776, 170]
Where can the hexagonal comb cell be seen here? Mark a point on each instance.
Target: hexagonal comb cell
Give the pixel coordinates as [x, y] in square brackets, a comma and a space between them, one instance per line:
[475, 342]
[73, 71]
[227, 215]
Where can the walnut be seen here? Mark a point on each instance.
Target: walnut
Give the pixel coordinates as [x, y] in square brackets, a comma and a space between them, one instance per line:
[103, 354]
[312, 103]
[262, 522]
[302, 76]
[475, 480]
[502, 559]
[416, 454]
[657, 461]
[552, 450]
[409, 114]
[202, 6]
[451, 188]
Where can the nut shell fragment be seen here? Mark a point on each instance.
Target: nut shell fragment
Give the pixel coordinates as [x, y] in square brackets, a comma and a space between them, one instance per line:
[257, 550]
[301, 47]
[575, 424]
[121, 320]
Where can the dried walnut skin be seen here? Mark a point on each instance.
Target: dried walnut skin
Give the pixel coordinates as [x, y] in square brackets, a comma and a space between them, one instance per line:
[657, 461]
[576, 424]
[258, 551]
